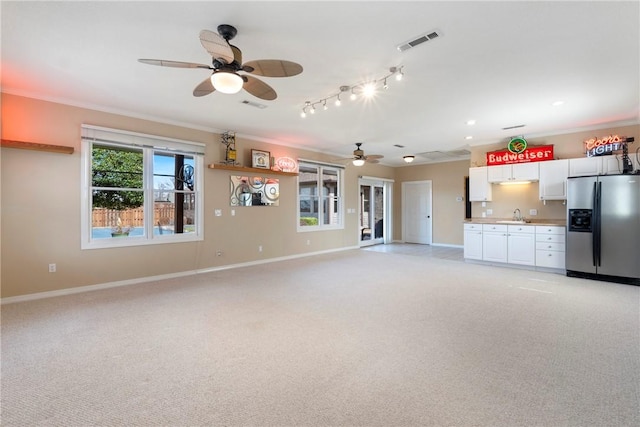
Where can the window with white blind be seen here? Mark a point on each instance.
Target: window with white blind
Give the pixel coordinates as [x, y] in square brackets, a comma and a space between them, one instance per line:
[139, 189]
[319, 196]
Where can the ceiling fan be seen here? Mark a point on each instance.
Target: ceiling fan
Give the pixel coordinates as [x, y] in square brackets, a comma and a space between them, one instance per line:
[227, 63]
[359, 158]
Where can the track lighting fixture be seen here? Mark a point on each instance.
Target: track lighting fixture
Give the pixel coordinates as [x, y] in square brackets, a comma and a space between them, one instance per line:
[409, 159]
[366, 89]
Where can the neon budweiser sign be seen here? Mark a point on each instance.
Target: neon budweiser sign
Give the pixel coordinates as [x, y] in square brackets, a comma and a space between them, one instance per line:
[530, 154]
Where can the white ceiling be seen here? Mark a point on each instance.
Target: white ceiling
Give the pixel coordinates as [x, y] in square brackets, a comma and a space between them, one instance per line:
[500, 63]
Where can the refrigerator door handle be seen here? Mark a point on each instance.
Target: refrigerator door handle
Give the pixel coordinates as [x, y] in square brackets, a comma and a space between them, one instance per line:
[594, 221]
[598, 235]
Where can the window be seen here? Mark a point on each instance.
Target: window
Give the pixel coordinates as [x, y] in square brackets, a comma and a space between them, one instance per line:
[319, 196]
[139, 189]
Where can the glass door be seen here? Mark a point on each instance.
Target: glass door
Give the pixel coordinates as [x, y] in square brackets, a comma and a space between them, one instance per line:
[373, 208]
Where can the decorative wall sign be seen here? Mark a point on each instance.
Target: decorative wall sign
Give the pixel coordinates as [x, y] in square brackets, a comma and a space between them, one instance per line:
[529, 154]
[604, 146]
[517, 145]
[260, 159]
[286, 164]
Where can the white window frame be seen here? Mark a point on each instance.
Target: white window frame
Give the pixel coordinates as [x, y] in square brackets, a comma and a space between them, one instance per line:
[148, 144]
[340, 199]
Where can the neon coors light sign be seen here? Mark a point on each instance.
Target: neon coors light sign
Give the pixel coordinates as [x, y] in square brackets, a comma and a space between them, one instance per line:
[606, 145]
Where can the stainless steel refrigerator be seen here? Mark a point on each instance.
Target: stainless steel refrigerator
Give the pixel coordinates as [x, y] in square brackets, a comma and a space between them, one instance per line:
[603, 228]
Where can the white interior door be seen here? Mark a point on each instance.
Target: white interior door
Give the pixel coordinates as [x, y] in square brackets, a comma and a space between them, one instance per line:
[416, 212]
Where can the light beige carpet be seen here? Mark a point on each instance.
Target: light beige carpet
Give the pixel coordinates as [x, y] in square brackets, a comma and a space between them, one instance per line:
[356, 338]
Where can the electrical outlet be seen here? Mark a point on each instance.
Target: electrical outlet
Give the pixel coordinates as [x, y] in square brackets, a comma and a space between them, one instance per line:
[308, 242]
[489, 211]
[533, 212]
[233, 212]
[218, 212]
[52, 268]
[260, 248]
[219, 253]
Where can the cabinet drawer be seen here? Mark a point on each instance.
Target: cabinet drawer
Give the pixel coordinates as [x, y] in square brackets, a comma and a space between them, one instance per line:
[550, 246]
[550, 259]
[550, 238]
[494, 227]
[473, 227]
[521, 229]
[549, 229]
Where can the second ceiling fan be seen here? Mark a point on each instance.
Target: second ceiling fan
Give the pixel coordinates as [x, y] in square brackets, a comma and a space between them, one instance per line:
[227, 63]
[359, 157]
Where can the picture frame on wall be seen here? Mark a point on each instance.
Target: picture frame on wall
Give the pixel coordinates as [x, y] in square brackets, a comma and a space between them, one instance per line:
[260, 159]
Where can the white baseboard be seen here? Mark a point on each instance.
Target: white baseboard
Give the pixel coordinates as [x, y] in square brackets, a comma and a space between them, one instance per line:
[108, 285]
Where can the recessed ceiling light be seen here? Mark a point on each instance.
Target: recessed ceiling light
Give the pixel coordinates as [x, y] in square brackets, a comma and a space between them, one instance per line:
[471, 122]
[468, 137]
[557, 103]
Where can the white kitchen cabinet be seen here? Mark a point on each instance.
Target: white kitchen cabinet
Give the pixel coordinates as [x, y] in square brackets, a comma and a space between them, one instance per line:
[515, 172]
[553, 179]
[479, 187]
[521, 244]
[550, 247]
[494, 243]
[585, 166]
[473, 241]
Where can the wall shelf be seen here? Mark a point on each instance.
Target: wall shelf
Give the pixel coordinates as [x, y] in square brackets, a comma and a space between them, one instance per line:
[246, 170]
[36, 146]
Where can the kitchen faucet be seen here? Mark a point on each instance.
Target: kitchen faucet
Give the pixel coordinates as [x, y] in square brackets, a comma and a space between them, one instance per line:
[517, 215]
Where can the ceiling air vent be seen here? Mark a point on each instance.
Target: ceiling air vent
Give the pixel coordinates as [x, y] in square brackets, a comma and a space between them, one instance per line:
[398, 145]
[254, 104]
[445, 156]
[418, 40]
[513, 127]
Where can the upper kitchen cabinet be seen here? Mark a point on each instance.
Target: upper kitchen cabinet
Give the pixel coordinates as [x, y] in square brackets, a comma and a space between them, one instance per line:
[599, 165]
[585, 166]
[553, 179]
[515, 172]
[479, 186]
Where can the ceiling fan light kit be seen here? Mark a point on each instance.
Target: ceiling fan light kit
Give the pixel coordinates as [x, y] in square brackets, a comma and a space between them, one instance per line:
[226, 82]
[227, 63]
[367, 89]
[359, 158]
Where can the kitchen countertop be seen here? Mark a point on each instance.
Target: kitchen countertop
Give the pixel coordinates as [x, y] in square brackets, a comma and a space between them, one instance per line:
[556, 222]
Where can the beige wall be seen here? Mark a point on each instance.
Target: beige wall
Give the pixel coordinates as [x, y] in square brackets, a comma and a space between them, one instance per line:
[40, 191]
[447, 182]
[41, 207]
[525, 197]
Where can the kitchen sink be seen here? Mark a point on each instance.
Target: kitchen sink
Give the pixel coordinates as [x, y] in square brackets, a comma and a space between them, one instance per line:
[513, 222]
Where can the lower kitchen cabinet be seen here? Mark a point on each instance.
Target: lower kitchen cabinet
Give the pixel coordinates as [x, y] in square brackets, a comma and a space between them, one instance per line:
[526, 245]
[521, 244]
[473, 241]
[550, 247]
[494, 243]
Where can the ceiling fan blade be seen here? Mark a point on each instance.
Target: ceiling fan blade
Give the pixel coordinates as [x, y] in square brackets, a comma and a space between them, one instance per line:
[217, 47]
[259, 89]
[372, 160]
[204, 88]
[274, 68]
[374, 157]
[175, 64]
